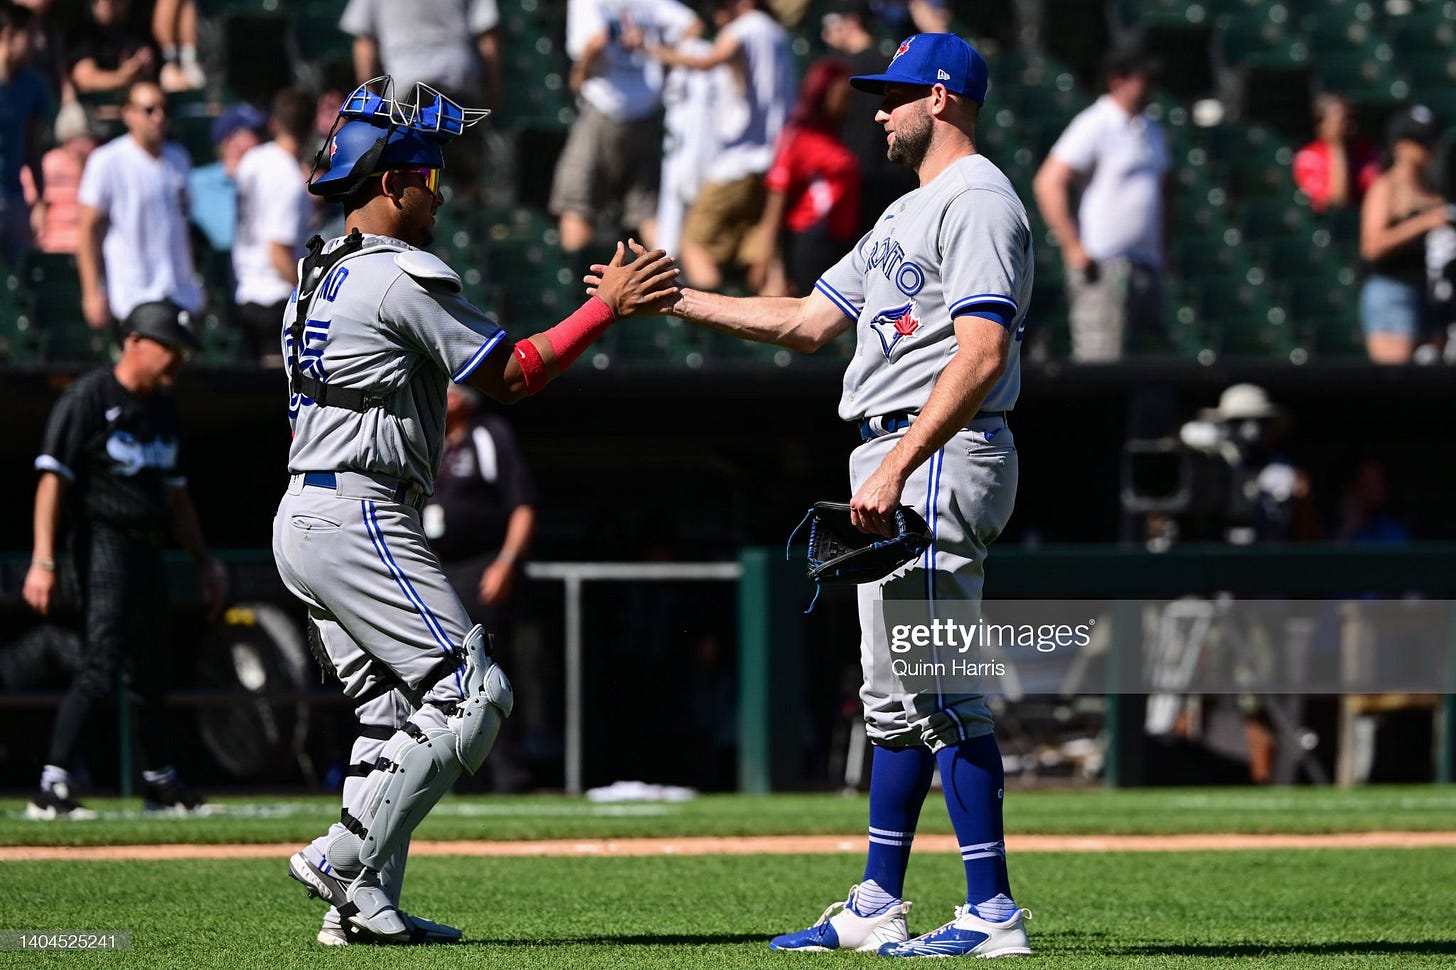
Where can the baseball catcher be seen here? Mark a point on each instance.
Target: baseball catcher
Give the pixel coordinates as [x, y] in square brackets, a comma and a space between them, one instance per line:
[375, 332]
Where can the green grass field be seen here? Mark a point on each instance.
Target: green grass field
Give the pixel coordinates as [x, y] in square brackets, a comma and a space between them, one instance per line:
[1093, 812]
[1295, 909]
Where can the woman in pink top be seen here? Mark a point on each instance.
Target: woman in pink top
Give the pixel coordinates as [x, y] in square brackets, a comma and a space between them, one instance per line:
[62, 166]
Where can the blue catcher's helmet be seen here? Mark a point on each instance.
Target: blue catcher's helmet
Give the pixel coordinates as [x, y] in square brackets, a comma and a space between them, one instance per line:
[375, 131]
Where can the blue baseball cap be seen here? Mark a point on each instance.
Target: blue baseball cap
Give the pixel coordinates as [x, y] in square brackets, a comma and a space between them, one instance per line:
[929, 59]
[237, 118]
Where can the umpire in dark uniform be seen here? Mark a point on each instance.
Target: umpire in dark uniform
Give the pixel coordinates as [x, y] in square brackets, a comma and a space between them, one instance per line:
[481, 521]
[110, 459]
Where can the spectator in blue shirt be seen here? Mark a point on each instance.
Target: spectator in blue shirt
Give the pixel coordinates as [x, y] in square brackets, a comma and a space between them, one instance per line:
[25, 104]
[211, 188]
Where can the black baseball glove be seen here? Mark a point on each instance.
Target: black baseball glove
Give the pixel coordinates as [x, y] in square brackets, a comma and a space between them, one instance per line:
[841, 554]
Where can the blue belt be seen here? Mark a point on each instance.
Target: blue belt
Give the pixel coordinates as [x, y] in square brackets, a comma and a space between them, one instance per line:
[900, 420]
[330, 480]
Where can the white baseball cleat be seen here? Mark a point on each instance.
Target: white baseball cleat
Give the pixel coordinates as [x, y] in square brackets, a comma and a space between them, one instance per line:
[847, 930]
[319, 880]
[55, 802]
[360, 898]
[333, 936]
[422, 932]
[968, 936]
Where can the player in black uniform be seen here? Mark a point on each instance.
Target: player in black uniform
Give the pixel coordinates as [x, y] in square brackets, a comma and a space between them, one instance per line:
[111, 448]
[481, 520]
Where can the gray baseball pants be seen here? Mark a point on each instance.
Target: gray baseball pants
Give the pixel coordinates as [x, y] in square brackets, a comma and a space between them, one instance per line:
[965, 492]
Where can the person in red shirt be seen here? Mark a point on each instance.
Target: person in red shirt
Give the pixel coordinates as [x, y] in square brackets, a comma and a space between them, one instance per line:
[812, 210]
[1336, 168]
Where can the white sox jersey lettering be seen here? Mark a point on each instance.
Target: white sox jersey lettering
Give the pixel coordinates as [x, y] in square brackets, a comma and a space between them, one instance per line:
[960, 244]
[389, 320]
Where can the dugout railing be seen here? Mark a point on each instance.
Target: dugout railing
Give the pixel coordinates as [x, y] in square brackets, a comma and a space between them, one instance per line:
[774, 592]
[772, 628]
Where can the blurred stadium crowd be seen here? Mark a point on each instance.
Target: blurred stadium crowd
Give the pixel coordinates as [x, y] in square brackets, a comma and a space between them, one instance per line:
[726, 131]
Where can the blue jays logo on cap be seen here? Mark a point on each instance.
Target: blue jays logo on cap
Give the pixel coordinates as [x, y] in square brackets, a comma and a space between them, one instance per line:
[924, 60]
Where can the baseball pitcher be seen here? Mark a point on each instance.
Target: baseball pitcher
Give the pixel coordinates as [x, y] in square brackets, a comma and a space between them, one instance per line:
[936, 294]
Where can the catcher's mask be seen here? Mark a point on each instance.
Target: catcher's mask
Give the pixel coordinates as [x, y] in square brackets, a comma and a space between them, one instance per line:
[376, 131]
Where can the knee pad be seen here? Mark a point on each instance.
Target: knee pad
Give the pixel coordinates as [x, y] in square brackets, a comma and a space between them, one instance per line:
[423, 760]
[478, 721]
[489, 700]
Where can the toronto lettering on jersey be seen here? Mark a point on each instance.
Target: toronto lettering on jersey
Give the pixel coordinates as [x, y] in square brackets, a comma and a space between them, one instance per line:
[894, 324]
[889, 256]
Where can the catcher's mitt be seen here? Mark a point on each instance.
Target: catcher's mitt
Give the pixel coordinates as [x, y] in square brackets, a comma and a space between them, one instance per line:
[839, 553]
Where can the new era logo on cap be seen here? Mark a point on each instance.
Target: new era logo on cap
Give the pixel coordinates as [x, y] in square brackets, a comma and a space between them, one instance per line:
[928, 59]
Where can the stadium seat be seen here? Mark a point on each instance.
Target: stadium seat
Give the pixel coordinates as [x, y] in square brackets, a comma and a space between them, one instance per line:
[316, 33]
[1187, 335]
[1363, 75]
[255, 55]
[1430, 72]
[1077, 33]
[1325, 314]
[222, 343]
[20, 341]
[667, 341]
[1259, 160]
[1296, 255]
[1243, 316]
[1201, 206]
[1274, 218]
[54, 285]
[1422, 33]
[1265, 36]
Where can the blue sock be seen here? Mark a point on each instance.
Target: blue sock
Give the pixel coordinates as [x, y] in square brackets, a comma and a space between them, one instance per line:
[973, 779]
[899, 781]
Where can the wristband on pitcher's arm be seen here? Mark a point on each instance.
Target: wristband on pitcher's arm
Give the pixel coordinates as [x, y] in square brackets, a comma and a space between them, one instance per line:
[574, 334]
[533, 368]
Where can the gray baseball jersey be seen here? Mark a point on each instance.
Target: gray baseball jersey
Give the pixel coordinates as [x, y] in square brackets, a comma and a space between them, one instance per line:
[960, 244]
[389, 320]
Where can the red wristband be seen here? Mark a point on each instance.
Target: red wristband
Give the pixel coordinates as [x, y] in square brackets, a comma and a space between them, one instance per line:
[533, 368]
[574, 334]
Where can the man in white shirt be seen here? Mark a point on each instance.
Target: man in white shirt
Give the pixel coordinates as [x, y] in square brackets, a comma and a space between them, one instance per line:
[718, 231]
[133, 201]
[1114, 248]
[274, 213]
[688, 145]
[612, 157]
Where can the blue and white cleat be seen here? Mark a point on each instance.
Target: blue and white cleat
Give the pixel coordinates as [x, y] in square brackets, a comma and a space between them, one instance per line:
[847, 930]
[968, 936]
